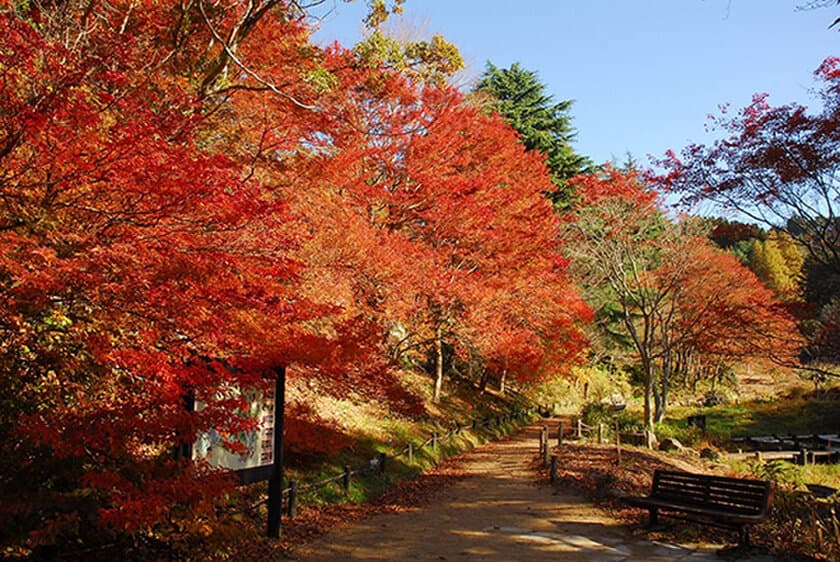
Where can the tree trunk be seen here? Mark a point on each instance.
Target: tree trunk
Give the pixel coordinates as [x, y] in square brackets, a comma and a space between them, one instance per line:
[650, 390]
[485, 377]
[438, 364]
[695, 373]
[661, 400]
[643, 346]
[657, 403]
[664, 384]
[667, 367]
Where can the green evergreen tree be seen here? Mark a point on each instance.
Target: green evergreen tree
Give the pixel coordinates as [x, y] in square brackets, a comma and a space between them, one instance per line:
[519, 96]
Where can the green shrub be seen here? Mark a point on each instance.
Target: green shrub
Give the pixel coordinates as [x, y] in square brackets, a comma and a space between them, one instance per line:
[679, 430]
[594, 413]
[779, 471]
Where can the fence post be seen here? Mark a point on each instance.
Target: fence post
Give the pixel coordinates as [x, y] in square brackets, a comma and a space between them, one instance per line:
[542, 441]
[545, 439]
[434, 441]
[293, 494]
[410, 453]
[617, 441]
[345, 480]
[560, 434]
[383, 458]
[579, 428]
[553, 472]
[546, 451]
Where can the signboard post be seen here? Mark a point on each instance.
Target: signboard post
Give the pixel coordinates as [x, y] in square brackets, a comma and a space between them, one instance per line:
[275, 481]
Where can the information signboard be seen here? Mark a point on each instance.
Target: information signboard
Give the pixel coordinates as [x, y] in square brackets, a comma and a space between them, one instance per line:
[256, 463]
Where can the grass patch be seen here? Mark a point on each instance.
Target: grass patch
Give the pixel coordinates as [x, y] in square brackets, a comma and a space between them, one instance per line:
[788, 474]
[796, 415]
[825, 474]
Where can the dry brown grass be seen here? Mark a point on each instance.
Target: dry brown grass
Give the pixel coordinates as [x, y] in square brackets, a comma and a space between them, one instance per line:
[797, 529]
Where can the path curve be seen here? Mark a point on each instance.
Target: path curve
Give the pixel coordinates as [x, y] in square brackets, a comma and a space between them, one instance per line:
[498, 511]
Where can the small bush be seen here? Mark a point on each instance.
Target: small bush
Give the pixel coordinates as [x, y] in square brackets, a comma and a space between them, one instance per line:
[604, 384]
[801, 523]
[779, 471]
[715, 398]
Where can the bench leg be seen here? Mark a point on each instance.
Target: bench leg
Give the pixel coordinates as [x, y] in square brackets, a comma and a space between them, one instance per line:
[654, 516]
[744, 536]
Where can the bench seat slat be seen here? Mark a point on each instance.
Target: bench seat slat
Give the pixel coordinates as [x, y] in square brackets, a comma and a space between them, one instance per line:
[731, 516]
[723, 502]
[712, 494]
[690, 477]
[714, 482]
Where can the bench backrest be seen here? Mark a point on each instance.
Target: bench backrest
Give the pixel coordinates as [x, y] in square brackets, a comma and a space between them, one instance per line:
[730, 495]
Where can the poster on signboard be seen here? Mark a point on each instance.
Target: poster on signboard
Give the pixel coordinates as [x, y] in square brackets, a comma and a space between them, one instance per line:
[255, 463]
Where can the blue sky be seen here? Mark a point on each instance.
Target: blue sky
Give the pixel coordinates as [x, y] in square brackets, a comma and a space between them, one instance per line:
[644, 74]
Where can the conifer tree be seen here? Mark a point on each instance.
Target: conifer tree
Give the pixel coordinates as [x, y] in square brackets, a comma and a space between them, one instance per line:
[543, 124]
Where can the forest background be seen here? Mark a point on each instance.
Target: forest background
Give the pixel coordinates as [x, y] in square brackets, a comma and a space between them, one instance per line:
[195, 194]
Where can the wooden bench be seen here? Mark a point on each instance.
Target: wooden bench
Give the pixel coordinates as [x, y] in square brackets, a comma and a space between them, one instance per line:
[730, 503]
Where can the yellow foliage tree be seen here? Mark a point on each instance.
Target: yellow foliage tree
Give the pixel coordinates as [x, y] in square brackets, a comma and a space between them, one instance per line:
[778, 262]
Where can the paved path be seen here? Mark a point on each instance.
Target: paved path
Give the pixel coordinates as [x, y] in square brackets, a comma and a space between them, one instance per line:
[498, 512]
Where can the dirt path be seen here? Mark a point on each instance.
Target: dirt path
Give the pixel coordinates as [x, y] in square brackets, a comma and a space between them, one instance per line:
[497, 512]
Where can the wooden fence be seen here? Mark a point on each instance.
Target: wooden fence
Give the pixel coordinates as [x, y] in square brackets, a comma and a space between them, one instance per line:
[600, 434]
[811, 449]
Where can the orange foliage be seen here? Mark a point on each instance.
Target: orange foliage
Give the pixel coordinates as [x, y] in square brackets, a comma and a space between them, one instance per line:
[727, 311]
[178, 218]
